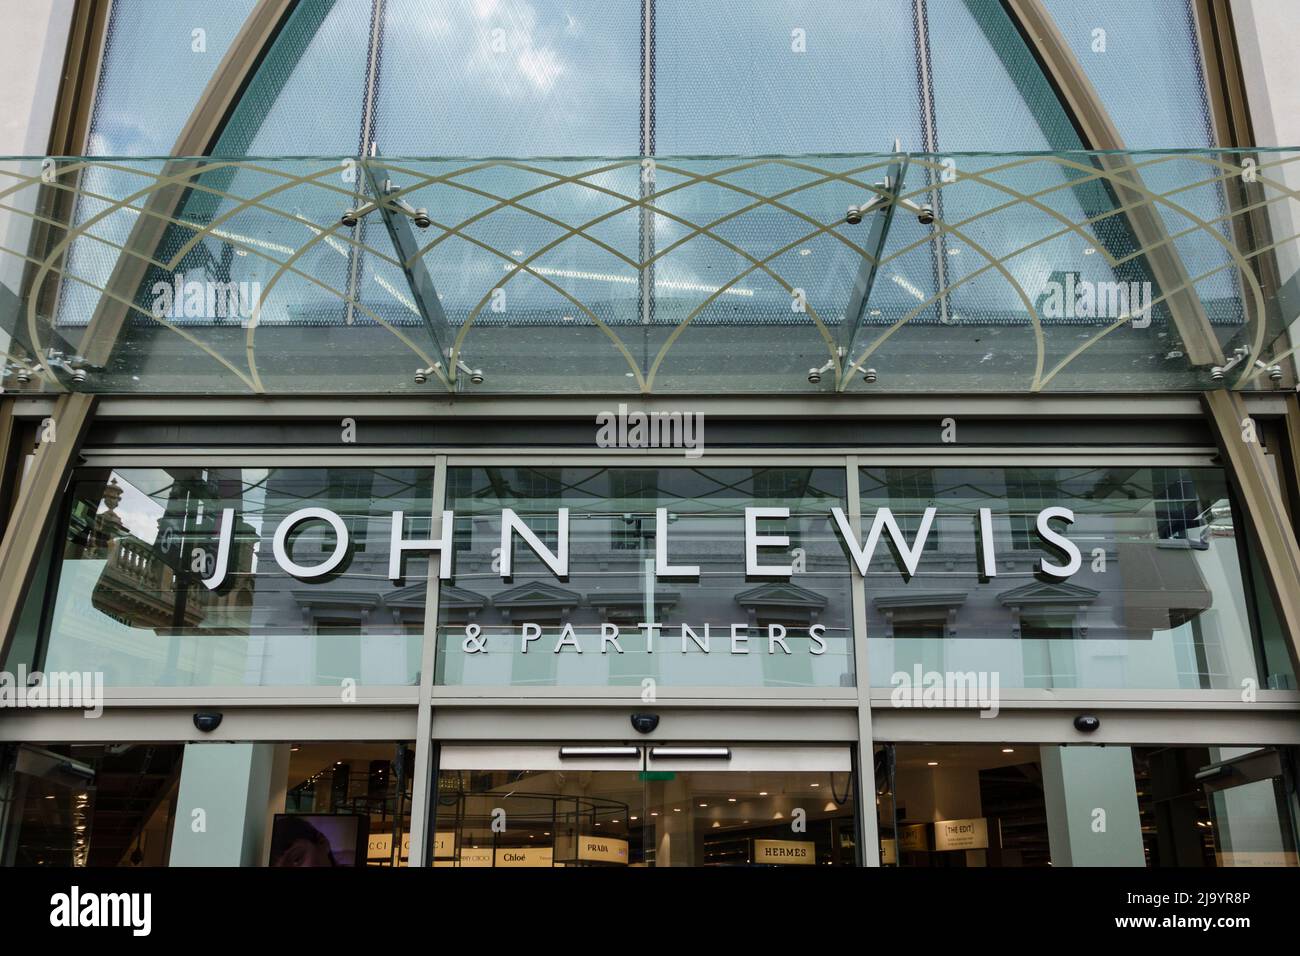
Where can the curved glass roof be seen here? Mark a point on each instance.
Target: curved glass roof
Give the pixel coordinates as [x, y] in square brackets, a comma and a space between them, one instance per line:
[1035, 272]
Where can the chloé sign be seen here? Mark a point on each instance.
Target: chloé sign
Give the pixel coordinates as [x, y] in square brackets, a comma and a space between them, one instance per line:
[883, 522]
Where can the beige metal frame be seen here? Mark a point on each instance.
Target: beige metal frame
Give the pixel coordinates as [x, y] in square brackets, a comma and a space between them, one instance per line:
[37, 503]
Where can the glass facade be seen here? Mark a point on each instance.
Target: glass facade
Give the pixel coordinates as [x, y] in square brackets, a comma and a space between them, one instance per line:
[138, 544]
[988, 323]
[648, 818]
[1018, 805]
[1160, 599]
[716, 627]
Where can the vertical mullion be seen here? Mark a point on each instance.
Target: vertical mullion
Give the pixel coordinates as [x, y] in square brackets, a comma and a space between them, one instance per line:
[421, 788]
[930, 144]
[868, 828]
[646, 176]
[365, 149]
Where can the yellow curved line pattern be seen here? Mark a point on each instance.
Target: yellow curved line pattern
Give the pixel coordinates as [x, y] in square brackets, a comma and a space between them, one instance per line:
[569, 232]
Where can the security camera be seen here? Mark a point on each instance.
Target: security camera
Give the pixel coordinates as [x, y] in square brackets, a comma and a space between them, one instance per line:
[814, 376]
[853, 216]
[1086, 723]
[645, 723]
[869, 376]
[207, 722]
[926, 216]
[350, 218]
[476, 377]
[422, 219]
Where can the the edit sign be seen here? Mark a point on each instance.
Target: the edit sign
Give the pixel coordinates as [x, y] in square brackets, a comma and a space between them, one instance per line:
[883, 522]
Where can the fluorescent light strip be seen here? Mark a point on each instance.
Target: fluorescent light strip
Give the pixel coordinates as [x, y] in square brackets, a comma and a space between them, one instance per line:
[671, 752]
[568, 752]
[631, 280]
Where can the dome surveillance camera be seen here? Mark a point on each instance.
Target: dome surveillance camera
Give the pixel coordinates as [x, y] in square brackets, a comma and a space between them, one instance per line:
[869, 376]
[207, 722]
[422, 218]
[1086, 723]
[853, 216]
[926, 215]
[645, 723]
[814, 376]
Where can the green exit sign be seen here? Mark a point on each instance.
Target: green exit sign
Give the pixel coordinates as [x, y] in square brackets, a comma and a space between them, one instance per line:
[657, 775]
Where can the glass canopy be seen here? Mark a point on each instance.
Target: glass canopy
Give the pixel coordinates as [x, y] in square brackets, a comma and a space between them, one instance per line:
[1036, 272]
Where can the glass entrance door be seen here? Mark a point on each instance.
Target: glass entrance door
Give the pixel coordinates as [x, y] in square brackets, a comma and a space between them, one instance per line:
[661, 805]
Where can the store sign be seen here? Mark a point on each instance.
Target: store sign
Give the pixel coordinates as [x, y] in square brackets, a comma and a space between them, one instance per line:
[961, 834]
[786, 852]
[598, 849]
[914, 838]
[476, 856]
[380, 846]
[525, 856]
[883, 523]
[888, 852]
[444, 844]
[470, 856]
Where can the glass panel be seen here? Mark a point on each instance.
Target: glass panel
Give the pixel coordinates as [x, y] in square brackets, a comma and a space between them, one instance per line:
[784, 76]
[1007, 273]
[139, 542]
[1159, 600]
[578, 817]
[1144, 60]
[988, 90]
[1027, 805]
[343, 804]
[562, 78]
[135, 114]
[88, 804]
[716, 629]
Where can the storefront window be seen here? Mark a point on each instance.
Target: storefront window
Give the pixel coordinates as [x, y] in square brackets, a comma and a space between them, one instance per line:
[319, 804]
[140, 547]
[744, 809]
[615, 619]
[1026, 805]
[1150, 590]
[88, 804]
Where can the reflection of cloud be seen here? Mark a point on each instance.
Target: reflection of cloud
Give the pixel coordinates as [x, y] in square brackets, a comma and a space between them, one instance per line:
[510, 52]
[540, 67]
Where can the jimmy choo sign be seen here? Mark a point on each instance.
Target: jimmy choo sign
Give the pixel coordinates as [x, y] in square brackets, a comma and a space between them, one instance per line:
[757, 564]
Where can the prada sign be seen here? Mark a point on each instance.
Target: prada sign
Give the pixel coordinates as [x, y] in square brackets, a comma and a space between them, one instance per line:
[757, 564]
